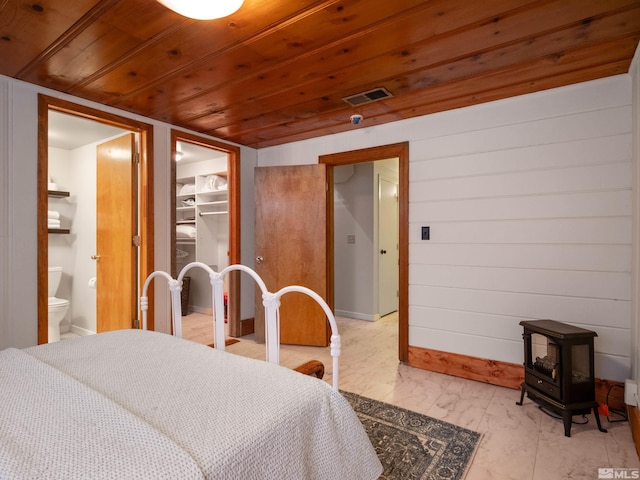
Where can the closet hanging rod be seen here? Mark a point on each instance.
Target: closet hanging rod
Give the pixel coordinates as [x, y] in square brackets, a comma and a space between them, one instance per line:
[203, 214]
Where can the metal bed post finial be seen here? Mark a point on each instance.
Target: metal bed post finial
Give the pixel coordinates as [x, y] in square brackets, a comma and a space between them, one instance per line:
[175, 288]
[144, 299]
[271, 310]
[217, 284]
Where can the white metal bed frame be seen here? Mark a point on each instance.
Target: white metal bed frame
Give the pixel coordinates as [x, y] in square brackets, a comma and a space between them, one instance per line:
[271, 302]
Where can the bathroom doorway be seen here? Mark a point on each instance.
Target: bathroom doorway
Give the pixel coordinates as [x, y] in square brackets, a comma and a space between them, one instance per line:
[74, 242]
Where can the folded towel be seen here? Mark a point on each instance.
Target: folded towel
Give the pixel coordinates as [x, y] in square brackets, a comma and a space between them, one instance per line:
[185, 231]
[213, 183]
[52, 223]
[187, 189]
[53, 214]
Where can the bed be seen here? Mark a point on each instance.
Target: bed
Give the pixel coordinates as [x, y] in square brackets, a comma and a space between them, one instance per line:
[143, 404]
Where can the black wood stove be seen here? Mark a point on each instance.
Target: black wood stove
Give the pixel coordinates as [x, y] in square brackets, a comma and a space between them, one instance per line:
[558, 369]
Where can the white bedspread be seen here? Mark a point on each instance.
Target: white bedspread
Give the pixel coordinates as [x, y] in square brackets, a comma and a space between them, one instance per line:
[238, 418]
[53, 427]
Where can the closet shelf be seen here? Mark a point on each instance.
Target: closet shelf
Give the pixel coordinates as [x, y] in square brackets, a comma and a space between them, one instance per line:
[210, 233]
[59, 230]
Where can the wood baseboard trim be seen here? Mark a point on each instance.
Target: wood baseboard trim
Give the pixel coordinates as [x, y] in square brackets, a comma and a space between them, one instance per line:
[503, 374]
[247, 326]
[610, 393]
[634, 423]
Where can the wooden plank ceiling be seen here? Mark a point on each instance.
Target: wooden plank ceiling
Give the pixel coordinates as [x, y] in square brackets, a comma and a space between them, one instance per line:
[277, 71]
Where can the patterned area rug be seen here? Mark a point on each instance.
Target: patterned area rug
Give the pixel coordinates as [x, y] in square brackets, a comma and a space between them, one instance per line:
[414, 446]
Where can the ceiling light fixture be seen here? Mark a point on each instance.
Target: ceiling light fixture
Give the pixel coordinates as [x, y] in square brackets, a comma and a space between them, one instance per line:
[203, 9]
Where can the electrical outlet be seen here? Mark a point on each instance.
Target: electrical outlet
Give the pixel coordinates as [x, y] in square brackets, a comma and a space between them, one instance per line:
[630, 393]
[351, 239]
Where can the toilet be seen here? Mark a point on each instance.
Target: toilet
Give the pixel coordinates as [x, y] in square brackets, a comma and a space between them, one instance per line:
[57, 306]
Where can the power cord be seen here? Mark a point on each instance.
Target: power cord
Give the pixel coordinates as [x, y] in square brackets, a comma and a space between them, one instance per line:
[557, 417]
[620, 413]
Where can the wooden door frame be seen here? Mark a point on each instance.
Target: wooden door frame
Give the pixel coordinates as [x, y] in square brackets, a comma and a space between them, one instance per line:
[145, 194]
[233, 182]
[400, 151]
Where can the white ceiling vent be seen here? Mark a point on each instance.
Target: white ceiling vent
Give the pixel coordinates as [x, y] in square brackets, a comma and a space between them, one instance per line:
[368, 97]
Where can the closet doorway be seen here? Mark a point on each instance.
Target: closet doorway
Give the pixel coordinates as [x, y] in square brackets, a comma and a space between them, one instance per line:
[206, 215]
[137, 254]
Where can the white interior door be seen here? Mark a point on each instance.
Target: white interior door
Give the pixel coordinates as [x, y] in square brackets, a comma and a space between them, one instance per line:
[388, 246]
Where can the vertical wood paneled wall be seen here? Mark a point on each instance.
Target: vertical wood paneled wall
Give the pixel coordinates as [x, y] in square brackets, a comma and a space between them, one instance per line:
[530, 218]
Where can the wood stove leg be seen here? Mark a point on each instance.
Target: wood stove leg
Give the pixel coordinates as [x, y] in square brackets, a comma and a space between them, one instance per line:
[567, 418]
[597, 415]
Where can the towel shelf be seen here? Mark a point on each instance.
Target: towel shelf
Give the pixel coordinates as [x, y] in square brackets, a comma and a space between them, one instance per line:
[57, 193]
[59, 230]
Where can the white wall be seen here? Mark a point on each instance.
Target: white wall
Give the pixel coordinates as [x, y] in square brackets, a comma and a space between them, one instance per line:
[356, 265]
[5, 239]
[61, 246]
[529, 203]
[18, 137]
[18, 196]
[83, 234]
[635, 322]
[353, 262]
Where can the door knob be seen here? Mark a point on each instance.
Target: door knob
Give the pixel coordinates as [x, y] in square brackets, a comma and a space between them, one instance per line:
[259, 259]
[95, 257]
[382, 252]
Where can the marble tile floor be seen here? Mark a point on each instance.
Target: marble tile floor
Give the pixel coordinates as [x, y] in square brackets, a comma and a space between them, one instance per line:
[519, 442]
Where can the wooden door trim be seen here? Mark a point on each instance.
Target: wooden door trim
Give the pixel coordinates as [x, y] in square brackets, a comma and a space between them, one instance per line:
[400, 151]
[233, 182]
[145, 132]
